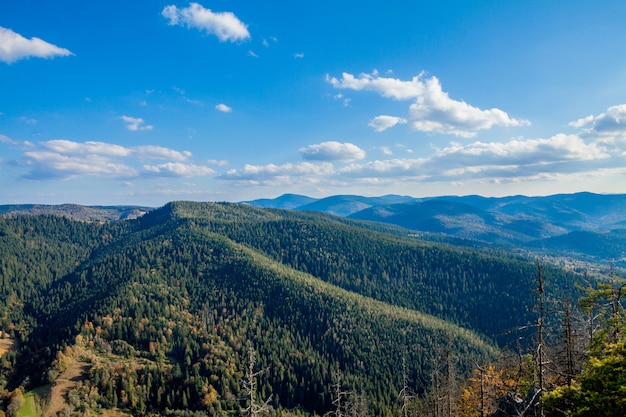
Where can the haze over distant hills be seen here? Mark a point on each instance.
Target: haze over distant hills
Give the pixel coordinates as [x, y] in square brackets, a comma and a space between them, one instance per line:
[588, 225]
[77, 211]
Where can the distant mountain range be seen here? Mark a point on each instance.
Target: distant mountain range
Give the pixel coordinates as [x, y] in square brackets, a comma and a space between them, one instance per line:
[77, 212]
[589, 226]
[159, 315]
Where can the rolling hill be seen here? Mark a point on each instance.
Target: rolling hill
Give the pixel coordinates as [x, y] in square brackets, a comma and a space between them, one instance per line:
[77, 211]
[531, 223]
[160, 311]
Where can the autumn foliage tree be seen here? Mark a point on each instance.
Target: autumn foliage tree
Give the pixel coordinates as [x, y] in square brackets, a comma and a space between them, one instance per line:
[484, 391]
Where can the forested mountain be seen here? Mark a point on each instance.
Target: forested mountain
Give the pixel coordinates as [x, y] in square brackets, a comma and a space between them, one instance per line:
[285, 201]
[171, 313]
[579, 211]
[541, 224]
[77, 212]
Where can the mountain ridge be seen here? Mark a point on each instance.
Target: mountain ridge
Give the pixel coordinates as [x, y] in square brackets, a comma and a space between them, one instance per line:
[180, 291]
[515, 222]
[528, 223]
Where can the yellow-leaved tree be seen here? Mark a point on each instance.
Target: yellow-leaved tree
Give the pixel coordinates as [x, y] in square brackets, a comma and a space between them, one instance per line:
[481, 397]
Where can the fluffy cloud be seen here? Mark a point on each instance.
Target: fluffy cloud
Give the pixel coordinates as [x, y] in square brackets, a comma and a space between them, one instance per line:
[386, 87]
[53, 165]
[607, 127]
[595, 151]
[380, 123]
[6, 139]
[14, 47]
[280, 174]
[135, 123]
[218, 162]
[68, 159]
[67, 147]
[393, 168]
[225, 25]
[178, 169]
[332, 151]
[223, 108]
[517, 157]
[433, 111]
[557, 148]
[159, 152]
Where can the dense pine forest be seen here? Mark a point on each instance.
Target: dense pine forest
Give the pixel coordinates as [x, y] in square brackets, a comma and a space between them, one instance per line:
[227, 309]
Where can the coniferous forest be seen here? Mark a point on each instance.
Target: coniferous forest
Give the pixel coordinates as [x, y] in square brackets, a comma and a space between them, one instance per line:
[206, 309]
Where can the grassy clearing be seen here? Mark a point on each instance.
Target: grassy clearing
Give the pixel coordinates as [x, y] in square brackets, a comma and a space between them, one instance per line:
[33, 401]
[7, 345]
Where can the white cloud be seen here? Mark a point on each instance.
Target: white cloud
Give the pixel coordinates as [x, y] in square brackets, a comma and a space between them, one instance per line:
[345, 100]
[225, 25]
[279, 174]
[608, 127]
[266, 41]
[135, 123]
[252, 54]
[332, 151]
[595, 154]
[387, 87]
[298, 55]
[380, 123]
[515, 158]
[581, 122]
[6, 139]
[14, 47]
[556, 149]
[184, 96]
[67, 147]
[178, 169]
[67, 159]
[386, 168]
[51, 165]
[159, 152]
[223, 108]
[219, 163]
[433, 110]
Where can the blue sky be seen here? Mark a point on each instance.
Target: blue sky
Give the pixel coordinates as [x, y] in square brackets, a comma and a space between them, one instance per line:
[145, 102]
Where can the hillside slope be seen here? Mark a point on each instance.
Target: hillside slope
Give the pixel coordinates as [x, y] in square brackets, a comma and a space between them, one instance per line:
[526, 223]
[167, 304]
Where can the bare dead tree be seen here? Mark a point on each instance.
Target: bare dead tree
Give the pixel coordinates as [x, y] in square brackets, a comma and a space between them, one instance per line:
[358, 405]
[406, 395]
[255, 408]
[339, 395]
[570, 351]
